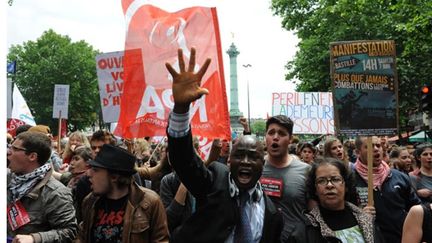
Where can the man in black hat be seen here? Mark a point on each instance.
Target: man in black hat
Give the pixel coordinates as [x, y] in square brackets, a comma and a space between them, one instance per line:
[230, 203]
[118, 210]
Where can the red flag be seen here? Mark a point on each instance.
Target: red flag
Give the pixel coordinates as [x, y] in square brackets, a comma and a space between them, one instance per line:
[13, 124]
[64, 128]
[152, 39]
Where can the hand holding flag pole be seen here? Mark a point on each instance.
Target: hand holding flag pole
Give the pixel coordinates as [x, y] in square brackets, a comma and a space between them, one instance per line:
[186, 85]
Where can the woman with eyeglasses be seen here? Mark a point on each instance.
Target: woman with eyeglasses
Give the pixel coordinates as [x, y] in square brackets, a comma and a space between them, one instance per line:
[334, 218]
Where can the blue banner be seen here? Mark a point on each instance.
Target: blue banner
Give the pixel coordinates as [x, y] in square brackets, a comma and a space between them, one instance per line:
[11, 67]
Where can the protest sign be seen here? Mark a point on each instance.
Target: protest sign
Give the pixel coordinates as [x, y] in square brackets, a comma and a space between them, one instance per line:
[61, 101]
[109, 67]
[153, 38]
[311, 112]
[365, 87]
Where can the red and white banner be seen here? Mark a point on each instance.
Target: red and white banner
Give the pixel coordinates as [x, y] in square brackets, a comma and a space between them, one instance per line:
[21, 113]
[152, 39]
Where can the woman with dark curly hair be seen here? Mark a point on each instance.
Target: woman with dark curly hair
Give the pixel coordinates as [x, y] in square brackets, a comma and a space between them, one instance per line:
[334, 218]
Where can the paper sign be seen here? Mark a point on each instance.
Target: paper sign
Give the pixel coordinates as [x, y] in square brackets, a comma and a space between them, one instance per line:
[61, 101]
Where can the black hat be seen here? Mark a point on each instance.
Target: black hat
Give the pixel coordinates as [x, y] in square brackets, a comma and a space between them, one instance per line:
[114, 159]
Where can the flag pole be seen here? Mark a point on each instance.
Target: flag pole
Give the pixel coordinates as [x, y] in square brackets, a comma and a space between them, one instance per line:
[59, 133]
[157, 146]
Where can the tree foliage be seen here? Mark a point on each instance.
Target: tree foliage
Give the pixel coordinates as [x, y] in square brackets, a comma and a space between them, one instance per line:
[258, 127]
[319, 22]
[55, 59]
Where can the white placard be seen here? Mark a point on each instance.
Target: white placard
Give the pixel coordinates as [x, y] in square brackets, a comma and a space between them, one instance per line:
[109, 67]
[61, 101]
[311, 112]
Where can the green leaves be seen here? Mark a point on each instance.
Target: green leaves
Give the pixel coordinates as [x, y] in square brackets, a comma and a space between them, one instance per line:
[318, 23]
[55, 59]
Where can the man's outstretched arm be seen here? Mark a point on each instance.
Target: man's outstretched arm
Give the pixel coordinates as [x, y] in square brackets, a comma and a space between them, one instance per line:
[186, 89]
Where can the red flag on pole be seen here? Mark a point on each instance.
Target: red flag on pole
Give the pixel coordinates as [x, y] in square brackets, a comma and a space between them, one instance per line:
[152, 39]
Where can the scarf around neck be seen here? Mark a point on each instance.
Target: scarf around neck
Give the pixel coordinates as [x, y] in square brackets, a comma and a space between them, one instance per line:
[21, 185]
[379, 173]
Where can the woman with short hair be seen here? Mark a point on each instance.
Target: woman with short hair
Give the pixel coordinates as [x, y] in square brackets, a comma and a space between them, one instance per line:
[307, 153]
[334, 218]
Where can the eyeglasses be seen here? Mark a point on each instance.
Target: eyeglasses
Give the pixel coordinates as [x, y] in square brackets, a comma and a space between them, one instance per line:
[15, 148]
[334, 180]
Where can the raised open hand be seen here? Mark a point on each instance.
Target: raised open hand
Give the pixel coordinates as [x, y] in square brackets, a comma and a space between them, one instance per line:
[186, 85]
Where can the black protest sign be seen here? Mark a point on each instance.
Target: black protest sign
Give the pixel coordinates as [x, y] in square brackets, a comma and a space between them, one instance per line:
[365, 87]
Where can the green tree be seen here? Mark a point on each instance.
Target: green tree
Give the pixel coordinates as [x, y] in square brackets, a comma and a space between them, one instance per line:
[319, 22]
[258, 127]
[55, 59]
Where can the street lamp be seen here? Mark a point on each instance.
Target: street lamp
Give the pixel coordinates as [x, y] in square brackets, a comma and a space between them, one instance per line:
[247, 80]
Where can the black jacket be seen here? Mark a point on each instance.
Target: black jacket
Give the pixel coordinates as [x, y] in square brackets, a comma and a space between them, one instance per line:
[392, 202]
[216, 211]
[177, 214]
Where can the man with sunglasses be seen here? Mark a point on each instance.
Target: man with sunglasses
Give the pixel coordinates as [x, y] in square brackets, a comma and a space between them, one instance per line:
[39, 208]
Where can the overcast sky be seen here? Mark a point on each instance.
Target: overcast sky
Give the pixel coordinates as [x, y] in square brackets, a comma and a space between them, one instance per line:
[258, 36]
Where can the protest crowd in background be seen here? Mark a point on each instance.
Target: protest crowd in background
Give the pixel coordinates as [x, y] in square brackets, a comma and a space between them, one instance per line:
[102, 188]
[152, 179]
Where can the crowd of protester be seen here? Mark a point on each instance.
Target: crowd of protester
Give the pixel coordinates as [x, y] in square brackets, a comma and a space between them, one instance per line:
[100, 188]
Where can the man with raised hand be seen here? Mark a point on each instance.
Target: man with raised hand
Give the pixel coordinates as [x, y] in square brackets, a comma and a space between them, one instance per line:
[230, 204]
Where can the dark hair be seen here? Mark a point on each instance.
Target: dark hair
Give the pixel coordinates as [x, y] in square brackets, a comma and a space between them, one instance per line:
[292, 148]
[98, 136]
[308, 145]
[350, 191]
[84, 152]
[395, 151]
[36, 142]
[358, 142]
[282, 120]
[420, 148]
[22, 128]
[362, 139]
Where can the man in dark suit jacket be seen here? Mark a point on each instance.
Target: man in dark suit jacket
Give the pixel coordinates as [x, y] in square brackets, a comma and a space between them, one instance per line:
[218, 189]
